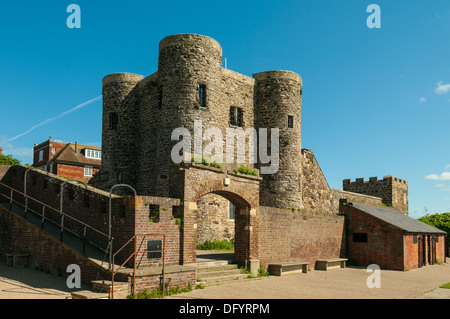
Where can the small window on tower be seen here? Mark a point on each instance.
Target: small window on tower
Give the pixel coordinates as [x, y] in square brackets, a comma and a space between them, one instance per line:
[236, 116]
[240, 117]
[233, 116]
[290, 121]
[113, 120]
[160, 98]
[202, 95]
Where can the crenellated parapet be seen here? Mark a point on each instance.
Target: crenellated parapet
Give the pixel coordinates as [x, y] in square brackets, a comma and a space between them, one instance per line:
[392, 190]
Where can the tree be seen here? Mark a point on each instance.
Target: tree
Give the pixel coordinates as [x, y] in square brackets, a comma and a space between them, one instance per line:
[440, 221]
[8, 160]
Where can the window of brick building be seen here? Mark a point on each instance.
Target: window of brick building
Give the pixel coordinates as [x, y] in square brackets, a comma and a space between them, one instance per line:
[96, 154]
[88, 171]
[202, 95]
[360, 237]
[113, 120]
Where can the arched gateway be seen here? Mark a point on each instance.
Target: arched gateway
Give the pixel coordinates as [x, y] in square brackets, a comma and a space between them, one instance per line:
[195, 181]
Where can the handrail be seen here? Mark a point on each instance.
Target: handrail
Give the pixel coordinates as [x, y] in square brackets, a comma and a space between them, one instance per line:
[54, 209]
[134, 254]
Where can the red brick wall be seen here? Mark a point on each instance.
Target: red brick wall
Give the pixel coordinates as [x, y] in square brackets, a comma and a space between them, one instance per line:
[166, 225]
[384, 245]
[73, 172]
[181, 279]
[286, 235]
[91, 206]
[412, 250]
[46, 252]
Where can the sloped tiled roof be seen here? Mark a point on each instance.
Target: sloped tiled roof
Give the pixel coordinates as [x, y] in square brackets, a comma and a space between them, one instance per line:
[396, 218]
[68, 155]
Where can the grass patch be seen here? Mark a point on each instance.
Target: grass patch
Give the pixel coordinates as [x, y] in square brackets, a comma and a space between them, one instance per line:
[157, 293]
[446, 286]
[246, 170]
[217, 245]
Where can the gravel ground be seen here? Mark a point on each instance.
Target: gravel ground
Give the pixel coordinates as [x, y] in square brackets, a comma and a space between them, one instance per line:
[24, 283]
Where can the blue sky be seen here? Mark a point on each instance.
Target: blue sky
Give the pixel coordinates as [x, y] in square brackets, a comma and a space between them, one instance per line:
[376, 102]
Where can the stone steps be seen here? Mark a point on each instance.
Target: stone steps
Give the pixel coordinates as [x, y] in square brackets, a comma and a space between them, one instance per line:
[221, 274]
[101, 289]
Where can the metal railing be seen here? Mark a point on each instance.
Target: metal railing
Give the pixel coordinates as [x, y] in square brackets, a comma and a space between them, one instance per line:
[134, 254]
[45, 209]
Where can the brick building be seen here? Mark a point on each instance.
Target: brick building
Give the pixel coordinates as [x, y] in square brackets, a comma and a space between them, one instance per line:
[385, 236]
[70, 160]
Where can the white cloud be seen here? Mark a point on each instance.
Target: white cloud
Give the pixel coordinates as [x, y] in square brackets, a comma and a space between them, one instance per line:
[422, 100]
[442, 88]
[439, 185]
[445, 176]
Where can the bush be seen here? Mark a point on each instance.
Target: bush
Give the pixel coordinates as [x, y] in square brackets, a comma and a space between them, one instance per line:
[8, 160]
[217, 245]
[440, 221]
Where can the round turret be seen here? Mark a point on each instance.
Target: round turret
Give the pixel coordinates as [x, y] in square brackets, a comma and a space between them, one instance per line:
[118, 129]
[278, 100]
[190, 84]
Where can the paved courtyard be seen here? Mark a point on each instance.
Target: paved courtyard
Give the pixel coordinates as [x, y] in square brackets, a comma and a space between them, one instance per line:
[23, 283]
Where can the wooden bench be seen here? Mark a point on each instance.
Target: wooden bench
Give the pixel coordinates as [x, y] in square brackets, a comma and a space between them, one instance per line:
[14, 260]
[289, 267]
[325, 264]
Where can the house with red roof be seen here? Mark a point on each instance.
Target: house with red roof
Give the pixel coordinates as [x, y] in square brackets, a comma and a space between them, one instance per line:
[70, 160]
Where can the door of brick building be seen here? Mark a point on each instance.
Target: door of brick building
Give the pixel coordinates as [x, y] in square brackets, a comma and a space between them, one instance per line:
[421, 250]
[433, 249]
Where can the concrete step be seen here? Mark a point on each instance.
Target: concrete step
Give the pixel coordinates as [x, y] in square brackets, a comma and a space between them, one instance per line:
[218, 273]
[87, 294]
[211, 264]
[101, 289]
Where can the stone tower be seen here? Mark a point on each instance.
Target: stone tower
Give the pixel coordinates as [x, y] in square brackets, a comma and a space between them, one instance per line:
[392, 190]
[119, 145]
[278, 102]
[191, 86]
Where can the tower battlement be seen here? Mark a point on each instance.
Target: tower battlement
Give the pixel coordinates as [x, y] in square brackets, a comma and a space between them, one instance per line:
[392, 190]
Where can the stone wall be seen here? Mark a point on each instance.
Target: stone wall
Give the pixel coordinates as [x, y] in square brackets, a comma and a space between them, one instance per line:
[318, 196]
[213, 219]
[392, 190]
